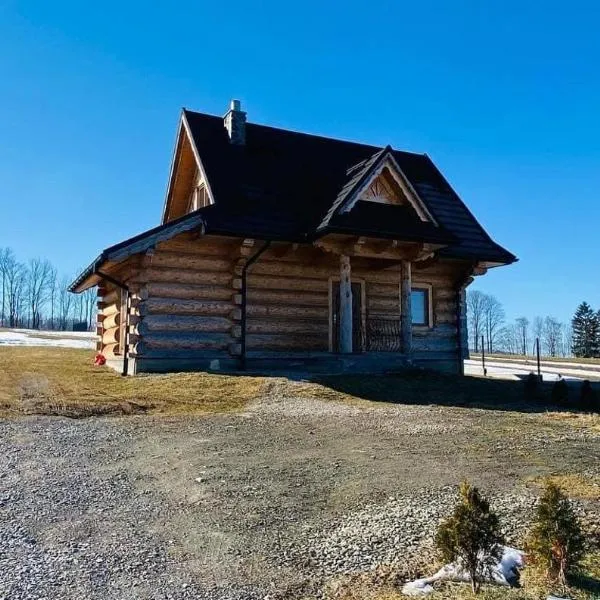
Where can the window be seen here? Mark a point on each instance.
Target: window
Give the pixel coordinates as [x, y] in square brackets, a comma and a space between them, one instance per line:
[420, 302]
[198, 198]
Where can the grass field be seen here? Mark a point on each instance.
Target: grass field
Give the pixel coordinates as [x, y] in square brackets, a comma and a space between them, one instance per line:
[46, 380]
[64, 381]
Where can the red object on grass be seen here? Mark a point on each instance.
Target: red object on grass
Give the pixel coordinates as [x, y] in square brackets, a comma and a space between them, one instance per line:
[99, 360]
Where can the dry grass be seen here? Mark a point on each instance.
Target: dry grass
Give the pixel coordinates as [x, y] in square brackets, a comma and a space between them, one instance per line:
[574, 485]
[64, 381]
[586, 421]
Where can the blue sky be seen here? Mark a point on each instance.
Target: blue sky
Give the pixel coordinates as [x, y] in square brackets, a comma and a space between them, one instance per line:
[504, 98]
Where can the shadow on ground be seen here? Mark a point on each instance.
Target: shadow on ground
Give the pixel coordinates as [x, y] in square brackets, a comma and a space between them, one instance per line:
[432, 388]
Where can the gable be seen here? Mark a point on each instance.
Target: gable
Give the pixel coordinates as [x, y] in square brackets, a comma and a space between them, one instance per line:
[383, 182]
[383, 190]
[188, 187]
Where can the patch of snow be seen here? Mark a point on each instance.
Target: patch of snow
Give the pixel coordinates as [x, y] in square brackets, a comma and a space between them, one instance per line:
[504, 573]
[63, 339]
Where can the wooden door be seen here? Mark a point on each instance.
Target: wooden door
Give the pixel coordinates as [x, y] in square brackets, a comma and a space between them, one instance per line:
[357, 345]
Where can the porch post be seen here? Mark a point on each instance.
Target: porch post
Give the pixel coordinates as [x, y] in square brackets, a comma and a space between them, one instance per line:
[406, 311]
[345, 305]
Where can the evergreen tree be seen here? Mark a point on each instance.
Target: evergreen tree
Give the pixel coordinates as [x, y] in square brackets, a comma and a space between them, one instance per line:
[586, 332]
[471, 536]
[555, 542]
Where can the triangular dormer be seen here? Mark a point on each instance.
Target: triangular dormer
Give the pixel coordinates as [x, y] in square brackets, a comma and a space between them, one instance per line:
[384, 182]
[380, 180]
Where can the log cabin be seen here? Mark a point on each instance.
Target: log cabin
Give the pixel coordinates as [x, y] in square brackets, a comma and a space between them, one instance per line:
[284, 250]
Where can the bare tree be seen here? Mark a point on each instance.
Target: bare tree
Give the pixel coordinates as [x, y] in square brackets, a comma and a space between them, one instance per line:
[493, 318]
[475, 310]
[5, 254]
[89, 299]
[552, 335]
[38, 278]
[52, 296]
[522, 326]
[538, 328]
[567, 341]
[14, 290]
[65, 303]
[509, 340]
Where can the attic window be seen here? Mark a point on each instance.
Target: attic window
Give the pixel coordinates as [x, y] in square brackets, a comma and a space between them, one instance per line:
[198, 198]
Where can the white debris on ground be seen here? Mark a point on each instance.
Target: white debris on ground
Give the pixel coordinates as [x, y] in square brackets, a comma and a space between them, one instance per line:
[31, 337]
[505, 573]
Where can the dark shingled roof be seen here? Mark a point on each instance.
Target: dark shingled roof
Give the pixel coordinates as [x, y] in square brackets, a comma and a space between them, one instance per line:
[288, 186]
[302, 178]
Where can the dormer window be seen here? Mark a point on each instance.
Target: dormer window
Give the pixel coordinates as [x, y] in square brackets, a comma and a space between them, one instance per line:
[198, 198]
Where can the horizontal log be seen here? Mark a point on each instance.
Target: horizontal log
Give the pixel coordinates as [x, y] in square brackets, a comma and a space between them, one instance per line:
[433, 280]
[445, 318]
[176, 306]
[440, 331]
[110, 349]
[444, 293]
[156, 274]
[275, 326]
[105, 309]
[441, 306]
[292, 270]
[188, 292]
[178, 341]
[434, 345]
[294, 253]
[288, 312]
[384, 305]
[287, 342]
[112, 296]
[296, 298]
[185, 260]
[185, 323]
[110, 321]
[203, 246]
[283, 283]
[180, 360]
[387, 290]
[111, 336]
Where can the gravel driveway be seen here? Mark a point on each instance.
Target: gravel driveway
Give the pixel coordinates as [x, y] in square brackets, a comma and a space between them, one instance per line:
[271, 501]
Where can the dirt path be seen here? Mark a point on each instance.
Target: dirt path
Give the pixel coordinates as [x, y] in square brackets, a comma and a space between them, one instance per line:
[272, 500]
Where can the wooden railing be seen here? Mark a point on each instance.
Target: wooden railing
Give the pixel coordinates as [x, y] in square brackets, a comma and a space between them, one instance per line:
[382, 334]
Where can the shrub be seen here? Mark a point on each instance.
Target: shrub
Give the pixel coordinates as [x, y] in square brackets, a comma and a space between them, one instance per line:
[588, 399]
[555, 543]
[532, 387]
[471, 536]
[560, 392]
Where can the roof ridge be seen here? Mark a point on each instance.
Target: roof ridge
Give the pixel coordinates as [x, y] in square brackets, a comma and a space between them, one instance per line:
[312, 135]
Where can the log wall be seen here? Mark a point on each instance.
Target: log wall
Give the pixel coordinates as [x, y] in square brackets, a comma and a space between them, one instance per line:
[109, 320]
[188, 307]
[288, 302]
[187, 303]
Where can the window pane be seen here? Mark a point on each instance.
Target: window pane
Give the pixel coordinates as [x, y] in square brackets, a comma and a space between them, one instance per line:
[420, 309]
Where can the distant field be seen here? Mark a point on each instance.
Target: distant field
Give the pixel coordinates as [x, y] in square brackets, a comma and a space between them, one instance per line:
[544, 359]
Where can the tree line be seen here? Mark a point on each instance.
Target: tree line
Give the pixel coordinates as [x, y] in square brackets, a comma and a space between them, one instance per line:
[487, 322]
[33, 295]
